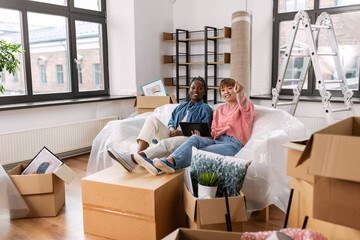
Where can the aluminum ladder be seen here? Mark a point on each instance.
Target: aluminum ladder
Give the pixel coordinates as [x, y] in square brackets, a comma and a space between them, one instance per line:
[312, 54]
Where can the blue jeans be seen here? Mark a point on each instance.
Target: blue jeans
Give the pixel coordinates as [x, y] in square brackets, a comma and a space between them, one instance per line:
[224, 145]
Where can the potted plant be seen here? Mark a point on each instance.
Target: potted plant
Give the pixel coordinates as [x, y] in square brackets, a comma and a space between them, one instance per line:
[207, 184]
[8, 60]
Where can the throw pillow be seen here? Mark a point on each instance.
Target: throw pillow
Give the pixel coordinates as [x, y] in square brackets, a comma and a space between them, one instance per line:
[230, 170]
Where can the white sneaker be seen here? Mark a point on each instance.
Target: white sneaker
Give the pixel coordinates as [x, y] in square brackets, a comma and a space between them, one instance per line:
[123, 158]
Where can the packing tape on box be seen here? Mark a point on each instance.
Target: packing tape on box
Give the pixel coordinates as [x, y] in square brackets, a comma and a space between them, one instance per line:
[130, 214]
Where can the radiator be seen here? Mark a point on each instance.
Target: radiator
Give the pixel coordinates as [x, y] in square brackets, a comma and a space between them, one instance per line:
[62, 140]
[313, 124]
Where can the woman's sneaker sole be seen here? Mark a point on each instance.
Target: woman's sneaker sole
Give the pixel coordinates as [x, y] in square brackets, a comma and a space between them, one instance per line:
[122, 162]
[162, 166]
[145, 164]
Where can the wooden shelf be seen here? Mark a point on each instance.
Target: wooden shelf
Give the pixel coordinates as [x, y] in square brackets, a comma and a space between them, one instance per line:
[185, 87]
[169, 37]
[169, 60]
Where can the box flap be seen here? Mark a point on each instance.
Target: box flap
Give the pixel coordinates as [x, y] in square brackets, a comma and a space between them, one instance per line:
[65, 173]
[212, 211]
[335, 156]
[306, 153]
[189, 204]
[299, 144]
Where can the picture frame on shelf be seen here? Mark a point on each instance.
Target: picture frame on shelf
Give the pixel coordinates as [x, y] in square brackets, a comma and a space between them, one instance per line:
[44, 162]
[154, 88]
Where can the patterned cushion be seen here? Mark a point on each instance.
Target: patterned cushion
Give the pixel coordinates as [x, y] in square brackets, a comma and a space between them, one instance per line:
[231, 170]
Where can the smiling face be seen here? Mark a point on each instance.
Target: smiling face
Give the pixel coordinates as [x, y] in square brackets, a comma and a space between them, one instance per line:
[197, 91]
[228, 93]
[227, 90]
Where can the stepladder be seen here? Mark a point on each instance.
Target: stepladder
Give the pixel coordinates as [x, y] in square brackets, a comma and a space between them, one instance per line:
[311, 53]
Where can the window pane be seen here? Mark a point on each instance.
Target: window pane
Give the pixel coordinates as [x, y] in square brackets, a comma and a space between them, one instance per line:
[88, 42]
[88, 4]
[296, 65]
[348, 38]
[57, 2]
[48, 48]
[337, 3]
[294, 5]
[10, 31]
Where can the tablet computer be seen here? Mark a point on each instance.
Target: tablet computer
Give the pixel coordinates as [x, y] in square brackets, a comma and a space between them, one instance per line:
[187, 127]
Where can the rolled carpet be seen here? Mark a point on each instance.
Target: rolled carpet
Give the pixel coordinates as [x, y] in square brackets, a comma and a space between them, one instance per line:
[241, 49]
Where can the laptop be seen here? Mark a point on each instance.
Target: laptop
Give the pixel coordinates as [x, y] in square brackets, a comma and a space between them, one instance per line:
[187, 127]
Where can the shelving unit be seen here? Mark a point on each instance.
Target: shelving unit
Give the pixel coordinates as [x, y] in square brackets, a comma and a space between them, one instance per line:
[184, 60]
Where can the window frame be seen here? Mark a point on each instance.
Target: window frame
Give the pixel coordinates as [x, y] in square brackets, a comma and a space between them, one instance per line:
[72, 14]
[313, 14]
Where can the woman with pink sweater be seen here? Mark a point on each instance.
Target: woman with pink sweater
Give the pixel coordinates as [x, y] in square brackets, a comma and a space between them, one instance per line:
[230, 130]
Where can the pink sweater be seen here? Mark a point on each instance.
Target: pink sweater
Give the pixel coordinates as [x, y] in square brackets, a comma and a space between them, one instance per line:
[236, 121]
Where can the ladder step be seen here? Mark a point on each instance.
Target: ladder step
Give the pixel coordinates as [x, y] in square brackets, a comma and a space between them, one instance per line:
[340, 109]
[333, 81]
[327, 54]
[285, 103]
[299, 55]
[320, 26]
[293, 80]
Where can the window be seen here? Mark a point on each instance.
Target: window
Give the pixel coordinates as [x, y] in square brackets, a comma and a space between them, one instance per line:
[43, 74]
[97, 74]
[16, 78]
[79, 69]
[60, 74]
[3, 76]
[60, 37]
[345, 14]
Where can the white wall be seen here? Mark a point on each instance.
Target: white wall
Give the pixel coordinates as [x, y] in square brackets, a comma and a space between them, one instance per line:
[195, 14]
[121, 45]
[151, 19]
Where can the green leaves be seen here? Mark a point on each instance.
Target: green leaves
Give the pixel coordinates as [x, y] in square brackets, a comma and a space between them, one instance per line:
[8, 60]
[209, 179]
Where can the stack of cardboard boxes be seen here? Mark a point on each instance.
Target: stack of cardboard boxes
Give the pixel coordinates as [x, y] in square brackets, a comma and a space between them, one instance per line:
[325, 177]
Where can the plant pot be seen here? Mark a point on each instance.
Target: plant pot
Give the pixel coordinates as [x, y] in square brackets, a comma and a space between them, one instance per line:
[206, 191]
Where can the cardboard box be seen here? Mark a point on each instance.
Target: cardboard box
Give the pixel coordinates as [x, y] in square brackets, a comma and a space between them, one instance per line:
[333, 156]
[44, 194]
[302, 205]
[295, 150]
[149, 103]
[191, 234]
[210, 213]
[122, 205]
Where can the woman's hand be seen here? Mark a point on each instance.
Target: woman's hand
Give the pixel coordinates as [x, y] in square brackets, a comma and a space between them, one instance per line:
[195, 132]
[176, 133]
[238, 89]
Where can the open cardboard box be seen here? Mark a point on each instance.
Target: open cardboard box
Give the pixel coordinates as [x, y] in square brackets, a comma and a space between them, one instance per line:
[295, 150]
[192, 234]
[302, 205]
[210, 213]
[149, 103]
[44, 194]
[333, 157]
[122, 205]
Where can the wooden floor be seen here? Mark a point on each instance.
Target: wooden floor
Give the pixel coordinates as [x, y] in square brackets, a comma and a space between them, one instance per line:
[69, 222]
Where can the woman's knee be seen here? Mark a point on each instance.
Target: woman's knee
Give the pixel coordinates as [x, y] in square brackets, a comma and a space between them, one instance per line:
[194, 138]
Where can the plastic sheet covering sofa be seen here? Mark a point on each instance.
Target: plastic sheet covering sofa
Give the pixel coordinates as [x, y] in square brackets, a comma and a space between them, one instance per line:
[266, 182]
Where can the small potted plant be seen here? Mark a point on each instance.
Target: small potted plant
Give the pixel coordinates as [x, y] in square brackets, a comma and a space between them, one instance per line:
[8, 59]
[208, 183]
